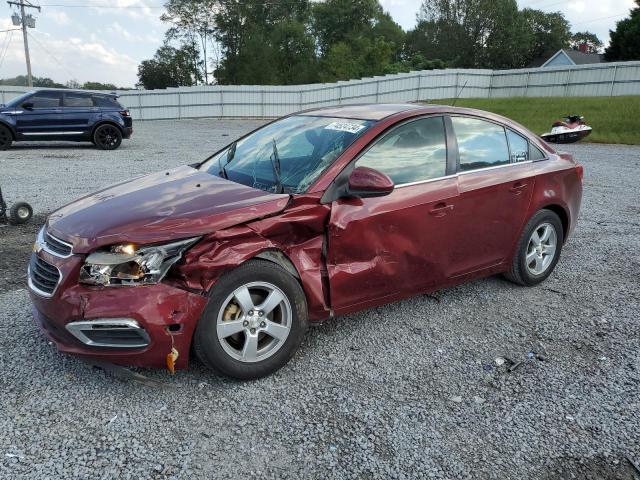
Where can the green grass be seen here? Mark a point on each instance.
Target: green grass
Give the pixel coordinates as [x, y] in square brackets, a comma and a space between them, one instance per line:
[614, 119]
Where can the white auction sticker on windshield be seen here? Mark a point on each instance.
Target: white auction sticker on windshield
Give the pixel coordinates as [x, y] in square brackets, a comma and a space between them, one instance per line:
[344, 127]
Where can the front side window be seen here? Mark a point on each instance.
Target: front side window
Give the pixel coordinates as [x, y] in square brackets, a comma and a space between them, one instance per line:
[287, 155]
[412, 152]
[481, 144]
[46, 100]
[18, 101]
[77, 100]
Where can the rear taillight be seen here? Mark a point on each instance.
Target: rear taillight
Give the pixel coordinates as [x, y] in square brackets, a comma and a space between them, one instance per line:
[125, 113]
[580, 171]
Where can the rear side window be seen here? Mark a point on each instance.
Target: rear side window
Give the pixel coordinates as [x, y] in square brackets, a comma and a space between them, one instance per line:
[535, 153]
[46, 100]
[519, 147]
[481, 144]
[77, 100]
[106, 102]
[412, 152]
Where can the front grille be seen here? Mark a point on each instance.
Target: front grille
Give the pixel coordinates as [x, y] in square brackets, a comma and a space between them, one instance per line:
[56, 246]
[43, 277]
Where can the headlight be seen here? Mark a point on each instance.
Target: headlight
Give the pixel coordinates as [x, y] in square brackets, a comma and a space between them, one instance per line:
[129, 264]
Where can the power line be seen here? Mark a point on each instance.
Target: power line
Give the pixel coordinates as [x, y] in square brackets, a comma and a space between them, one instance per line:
[6, 46]
[601, 18]
[46, 50]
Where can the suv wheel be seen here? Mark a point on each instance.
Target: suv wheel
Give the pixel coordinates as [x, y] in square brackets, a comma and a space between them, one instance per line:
[107, 137]
[538, 249]
[6, 139]
[254, 322]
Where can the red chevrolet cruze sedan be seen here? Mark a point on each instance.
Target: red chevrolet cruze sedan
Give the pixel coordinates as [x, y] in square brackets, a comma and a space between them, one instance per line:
[317, 214]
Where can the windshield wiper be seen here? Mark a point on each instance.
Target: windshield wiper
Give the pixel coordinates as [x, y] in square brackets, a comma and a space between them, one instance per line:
[222, 170]
[275, 163]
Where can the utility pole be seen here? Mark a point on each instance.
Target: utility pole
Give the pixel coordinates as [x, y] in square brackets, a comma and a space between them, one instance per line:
[23, 18]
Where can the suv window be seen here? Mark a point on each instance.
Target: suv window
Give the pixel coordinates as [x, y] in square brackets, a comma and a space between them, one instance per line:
[46, 100]
[519, 147]
[481, 144]
[102, 101]
[77, 100]
[412, 152]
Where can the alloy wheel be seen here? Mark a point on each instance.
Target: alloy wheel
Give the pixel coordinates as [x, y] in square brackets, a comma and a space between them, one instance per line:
[254, 322]
[541, 249]
[108, 136]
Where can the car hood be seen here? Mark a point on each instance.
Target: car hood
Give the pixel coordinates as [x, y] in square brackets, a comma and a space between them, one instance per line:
[164, 206]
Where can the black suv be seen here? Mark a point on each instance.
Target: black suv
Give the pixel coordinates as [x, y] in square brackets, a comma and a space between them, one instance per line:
[78, 116]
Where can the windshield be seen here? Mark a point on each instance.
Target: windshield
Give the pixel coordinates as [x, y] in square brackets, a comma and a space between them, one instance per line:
[18, 100]
[288, 155]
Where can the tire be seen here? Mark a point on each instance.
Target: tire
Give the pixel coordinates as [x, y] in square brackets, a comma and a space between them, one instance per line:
[20, 213]
[107, 137]
[532, 264]
[233, 321]
[6, 138]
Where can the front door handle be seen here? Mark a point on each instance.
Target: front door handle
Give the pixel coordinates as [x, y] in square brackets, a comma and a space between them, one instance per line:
[440, 209]
[518, 187]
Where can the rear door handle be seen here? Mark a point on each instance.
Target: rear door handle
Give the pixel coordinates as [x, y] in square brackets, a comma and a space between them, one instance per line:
[440, 209]
[518, 187]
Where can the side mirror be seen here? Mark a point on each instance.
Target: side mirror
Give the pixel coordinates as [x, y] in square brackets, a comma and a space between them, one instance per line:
[27, 106]
[366, 182]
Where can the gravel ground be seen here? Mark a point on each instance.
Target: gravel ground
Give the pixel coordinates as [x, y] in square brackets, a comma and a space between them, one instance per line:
[409, 390]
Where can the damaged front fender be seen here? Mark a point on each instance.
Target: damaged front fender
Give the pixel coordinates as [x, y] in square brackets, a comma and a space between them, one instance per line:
[295, 239]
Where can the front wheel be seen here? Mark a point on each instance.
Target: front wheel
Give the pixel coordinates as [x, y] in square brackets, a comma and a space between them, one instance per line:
[538, 249]
[6, 139]
[107, 137]
[254, 322]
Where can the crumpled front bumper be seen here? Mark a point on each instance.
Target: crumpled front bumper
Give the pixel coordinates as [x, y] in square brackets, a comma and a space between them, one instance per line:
[167, 314]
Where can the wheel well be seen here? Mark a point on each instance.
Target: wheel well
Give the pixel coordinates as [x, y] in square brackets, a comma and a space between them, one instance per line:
[279, 258]
[564, 217]
[105, 122]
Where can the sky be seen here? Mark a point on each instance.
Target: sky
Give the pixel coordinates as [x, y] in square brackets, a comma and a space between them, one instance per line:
[105, 40]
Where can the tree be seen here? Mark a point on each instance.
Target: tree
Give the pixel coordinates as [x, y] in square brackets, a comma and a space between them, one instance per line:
[192, 22]
[591, 42]
[171, 67]
[265, 43]
[549, 32]
[74, 84]
[356, 38]
[99, 86]
[21, 81]
[625, 40]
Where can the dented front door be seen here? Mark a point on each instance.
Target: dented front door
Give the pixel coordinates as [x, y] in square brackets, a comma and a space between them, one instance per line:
[391, 246]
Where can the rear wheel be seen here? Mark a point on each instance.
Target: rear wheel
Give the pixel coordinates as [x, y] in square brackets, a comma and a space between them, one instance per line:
[6, 138]
[538, 249]
[254, 322]
[107, 137]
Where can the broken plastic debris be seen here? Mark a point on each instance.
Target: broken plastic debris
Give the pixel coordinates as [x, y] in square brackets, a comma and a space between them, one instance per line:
[172, 356]
[499, 361]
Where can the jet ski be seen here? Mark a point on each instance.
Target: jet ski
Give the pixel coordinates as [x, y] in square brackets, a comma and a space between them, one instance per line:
[570, 130]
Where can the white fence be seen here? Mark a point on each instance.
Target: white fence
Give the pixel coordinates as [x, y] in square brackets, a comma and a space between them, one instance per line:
[609, 79]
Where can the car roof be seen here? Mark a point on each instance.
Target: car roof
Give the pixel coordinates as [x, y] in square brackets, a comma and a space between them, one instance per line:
[70, 90]
[373, 111]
